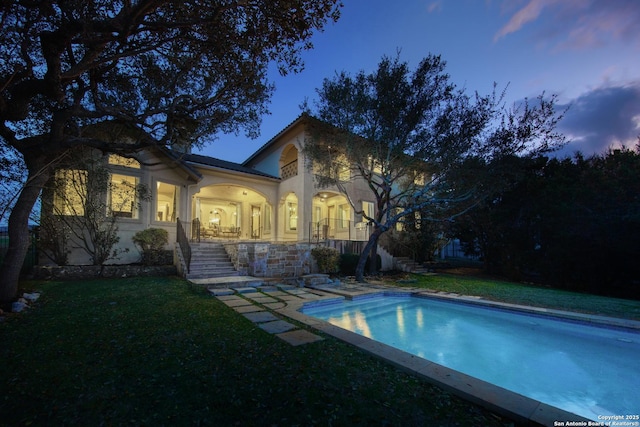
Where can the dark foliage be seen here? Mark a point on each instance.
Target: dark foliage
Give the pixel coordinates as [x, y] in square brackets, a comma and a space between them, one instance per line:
[572, 223]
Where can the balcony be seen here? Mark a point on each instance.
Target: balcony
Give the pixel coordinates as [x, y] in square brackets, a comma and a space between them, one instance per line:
[289, 170]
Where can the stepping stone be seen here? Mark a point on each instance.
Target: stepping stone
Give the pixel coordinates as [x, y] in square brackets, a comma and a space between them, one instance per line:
[290, 298]
[260, 317]
[227, 297]
[248, 309]
[275, 293]
[299, 337]
[236, 302]
[287, 287]
[277, 326]
[263, 299]
[220, 292]
[275, 305]
[268, 288]
[245, 290]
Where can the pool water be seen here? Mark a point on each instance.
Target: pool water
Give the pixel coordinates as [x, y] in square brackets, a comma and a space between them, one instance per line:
[587, 370]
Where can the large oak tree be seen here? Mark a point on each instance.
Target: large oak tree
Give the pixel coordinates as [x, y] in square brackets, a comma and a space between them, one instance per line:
[160, 72]
[411, 136]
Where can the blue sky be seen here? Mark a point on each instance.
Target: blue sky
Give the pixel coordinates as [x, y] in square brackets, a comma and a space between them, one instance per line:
[585, 51]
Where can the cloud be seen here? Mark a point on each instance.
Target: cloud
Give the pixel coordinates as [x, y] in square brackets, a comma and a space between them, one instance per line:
[529, 13]
[578, 24]
[602, 118]
[435, 6]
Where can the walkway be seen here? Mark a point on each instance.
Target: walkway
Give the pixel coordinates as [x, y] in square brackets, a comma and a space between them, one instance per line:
[268, 305]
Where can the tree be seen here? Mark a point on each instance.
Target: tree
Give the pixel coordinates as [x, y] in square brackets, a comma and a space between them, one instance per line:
[571, 223]
[409, 136]
[157, 73]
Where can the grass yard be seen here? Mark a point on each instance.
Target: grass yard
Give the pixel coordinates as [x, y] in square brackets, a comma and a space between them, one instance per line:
[515, 293]
[154, 351]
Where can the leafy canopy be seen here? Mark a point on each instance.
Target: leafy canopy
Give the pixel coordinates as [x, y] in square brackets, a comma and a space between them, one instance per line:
[410, 136]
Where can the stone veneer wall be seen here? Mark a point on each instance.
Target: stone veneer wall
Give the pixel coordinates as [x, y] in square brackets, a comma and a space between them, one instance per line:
[271, 259]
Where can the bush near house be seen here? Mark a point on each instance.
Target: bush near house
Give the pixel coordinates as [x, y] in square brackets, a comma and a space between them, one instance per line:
[151, 242]
[327, 259]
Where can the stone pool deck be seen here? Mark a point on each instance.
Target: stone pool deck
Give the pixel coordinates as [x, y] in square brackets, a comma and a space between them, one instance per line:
[276, 308]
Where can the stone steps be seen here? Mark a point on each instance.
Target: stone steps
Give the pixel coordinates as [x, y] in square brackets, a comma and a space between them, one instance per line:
[210, 260]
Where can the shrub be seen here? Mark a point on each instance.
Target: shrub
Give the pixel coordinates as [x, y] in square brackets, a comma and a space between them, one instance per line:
[151, 242]
[327, 259]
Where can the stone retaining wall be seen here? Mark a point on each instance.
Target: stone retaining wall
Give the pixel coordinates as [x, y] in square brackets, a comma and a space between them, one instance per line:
[271, 259]
[88, 272]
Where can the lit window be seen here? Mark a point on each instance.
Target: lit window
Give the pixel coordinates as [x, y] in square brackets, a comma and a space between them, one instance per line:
[167, 202]
[267, 218]
[123, 196]
[70, 192]
[343, 215]
[126, 162]
[368, 210]
[292, 215]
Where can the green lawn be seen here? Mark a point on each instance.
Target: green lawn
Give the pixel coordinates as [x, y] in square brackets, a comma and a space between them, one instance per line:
[153, 351]
[515, 293]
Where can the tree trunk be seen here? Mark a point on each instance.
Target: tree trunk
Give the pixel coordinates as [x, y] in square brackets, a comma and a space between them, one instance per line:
[373, 242]
[19, 234]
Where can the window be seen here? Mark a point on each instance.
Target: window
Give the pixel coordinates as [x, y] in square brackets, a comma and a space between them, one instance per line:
[368, 209]
[343, 215]
[292, 216]
[343, 173]
[267, 218]
[167, 202]
[117, 160]
[123, 201]
[70, 192]
[317, 214]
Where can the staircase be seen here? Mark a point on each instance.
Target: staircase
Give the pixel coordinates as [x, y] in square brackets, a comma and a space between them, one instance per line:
[210, 260]
[408, 265]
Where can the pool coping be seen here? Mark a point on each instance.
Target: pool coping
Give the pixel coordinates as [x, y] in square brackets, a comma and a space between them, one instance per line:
[522, 409]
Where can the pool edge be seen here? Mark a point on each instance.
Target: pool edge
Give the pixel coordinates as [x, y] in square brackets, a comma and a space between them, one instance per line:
[522, 409]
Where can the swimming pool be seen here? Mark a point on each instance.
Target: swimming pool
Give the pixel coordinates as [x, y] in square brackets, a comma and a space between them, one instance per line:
[586, 370]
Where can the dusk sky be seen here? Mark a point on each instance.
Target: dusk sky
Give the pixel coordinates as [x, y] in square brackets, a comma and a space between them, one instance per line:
[585, 51]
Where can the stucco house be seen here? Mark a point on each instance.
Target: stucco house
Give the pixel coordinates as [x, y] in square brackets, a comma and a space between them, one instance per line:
[269, 204]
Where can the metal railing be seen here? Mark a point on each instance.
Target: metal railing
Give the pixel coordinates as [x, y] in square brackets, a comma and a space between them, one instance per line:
[183, 241]
[339, 229]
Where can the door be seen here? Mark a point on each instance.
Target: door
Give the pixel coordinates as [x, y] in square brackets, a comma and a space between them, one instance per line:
[255, 222]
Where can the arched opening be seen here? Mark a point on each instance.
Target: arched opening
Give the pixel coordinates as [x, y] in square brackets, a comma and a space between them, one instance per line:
[289, 162]
[227, 211]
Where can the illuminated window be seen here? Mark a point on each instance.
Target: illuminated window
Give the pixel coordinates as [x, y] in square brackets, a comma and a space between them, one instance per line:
[123, 201]
[117, 160]
[343, 215]
[167, 202]
[368, 209]
[292, 216]
[70, 192]
[267, 218]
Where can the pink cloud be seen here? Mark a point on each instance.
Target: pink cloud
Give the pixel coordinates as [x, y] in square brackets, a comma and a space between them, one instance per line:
[578, 24]
[529, 13]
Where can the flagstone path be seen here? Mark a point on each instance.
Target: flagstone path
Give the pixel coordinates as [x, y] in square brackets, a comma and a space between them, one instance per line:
[266, 305]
